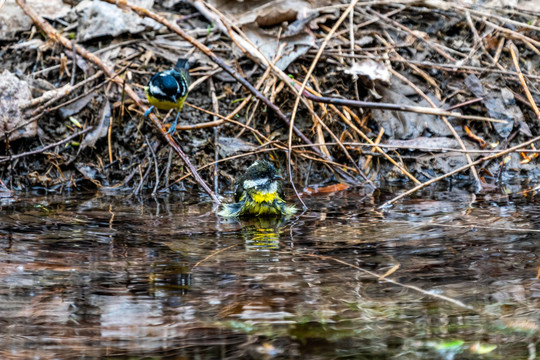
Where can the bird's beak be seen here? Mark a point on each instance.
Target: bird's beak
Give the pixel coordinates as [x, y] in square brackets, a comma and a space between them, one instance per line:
[278, 177]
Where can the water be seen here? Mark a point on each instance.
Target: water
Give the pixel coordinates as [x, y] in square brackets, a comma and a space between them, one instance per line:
[99, 276]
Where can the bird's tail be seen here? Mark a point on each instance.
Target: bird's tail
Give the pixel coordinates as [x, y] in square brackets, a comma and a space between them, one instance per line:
[231, 210]
[181, 64]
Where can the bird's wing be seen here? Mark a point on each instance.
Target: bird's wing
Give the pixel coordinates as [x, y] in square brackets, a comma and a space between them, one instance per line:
[183, 80]
[280, 192]
[238, 188]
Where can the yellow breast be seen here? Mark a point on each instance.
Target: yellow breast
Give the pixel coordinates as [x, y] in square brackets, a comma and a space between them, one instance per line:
[164, 105]
[261, 197]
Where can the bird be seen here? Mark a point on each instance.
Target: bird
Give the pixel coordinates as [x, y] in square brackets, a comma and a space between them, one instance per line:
[258, 193]
[168, 90]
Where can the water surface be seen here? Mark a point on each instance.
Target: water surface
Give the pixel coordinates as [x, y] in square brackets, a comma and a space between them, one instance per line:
[99, 275]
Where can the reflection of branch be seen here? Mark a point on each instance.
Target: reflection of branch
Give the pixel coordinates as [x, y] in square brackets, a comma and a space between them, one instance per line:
[45, 148]
[212, 255]
[390, 281]
[56, 36]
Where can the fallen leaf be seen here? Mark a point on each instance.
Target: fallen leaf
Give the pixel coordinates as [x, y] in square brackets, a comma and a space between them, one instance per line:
[230, 145]
[295, 45]
[13, 20]
[271, 23]
[75, 107]
[500, 103]
[326, 190]
[423, 142]
[13, 94]
[481, 349]
[98, 19]
[371, 70]
[405, 125]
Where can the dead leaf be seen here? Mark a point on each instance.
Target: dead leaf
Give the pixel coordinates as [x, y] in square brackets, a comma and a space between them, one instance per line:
[97, 19]
[426, 143]
[230, 145]
[500, 103]
[296, 45]
[13, 94]
[13, 19]
[370, 70]
[271, 23]
[75, 107]
[265, 12]
[474, 85]
[326, 190]
[404, 125]
[89, 173]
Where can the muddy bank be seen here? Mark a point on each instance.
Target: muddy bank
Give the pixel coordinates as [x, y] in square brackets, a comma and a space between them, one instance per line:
[465, 78]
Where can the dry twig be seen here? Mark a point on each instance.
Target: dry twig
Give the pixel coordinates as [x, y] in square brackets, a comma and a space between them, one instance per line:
[396, 107]
[123, 4]
[458, 170]
[306, 79]
[515, 59]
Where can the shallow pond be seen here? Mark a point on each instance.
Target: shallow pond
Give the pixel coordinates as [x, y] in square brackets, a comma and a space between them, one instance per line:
[100, 276]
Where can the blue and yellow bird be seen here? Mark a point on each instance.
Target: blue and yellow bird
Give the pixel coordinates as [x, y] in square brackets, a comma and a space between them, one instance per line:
[168, 90]
[258, 192]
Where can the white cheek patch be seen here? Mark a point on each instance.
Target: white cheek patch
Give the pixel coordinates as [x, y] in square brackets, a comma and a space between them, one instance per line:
[156, 90]
[248, 184]
[271, 189]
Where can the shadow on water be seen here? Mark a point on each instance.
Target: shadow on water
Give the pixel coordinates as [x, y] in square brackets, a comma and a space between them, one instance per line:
[102, 276]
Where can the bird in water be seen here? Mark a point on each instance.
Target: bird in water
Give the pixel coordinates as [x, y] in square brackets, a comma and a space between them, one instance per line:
[168, 90]
[258, 192]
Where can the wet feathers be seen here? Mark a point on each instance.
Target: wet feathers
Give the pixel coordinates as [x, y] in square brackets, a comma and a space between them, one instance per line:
[258, 192]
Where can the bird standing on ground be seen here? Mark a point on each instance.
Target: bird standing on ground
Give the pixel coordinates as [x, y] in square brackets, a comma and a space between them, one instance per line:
[168, 90]
[258, 192]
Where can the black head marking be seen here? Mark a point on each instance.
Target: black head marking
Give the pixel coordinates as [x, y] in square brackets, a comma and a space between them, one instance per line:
[261, 169]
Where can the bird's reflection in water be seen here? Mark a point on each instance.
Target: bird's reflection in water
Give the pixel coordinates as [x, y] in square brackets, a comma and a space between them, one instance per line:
[262, 235]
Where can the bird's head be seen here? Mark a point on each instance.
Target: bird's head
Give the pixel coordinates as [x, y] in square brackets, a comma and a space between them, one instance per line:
[263, 177]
